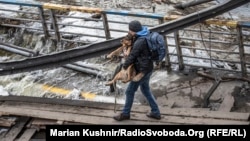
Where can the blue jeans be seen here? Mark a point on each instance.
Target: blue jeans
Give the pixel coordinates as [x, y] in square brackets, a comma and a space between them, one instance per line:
[145, 89]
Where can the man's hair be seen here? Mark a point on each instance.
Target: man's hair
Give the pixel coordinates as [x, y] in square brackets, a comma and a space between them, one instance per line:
[135, 26]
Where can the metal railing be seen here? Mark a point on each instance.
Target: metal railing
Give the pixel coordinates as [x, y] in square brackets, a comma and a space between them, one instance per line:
[232, 55]
[46, 15]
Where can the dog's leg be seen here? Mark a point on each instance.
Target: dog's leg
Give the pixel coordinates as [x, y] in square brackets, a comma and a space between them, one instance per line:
[138, 77]
[112, 88]
[128, 74]
[127, 51]
[118, 76]
[115, 53]
[113, 81]
[117, 70]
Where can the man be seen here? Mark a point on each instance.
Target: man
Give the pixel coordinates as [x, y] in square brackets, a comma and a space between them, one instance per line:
[139, 56]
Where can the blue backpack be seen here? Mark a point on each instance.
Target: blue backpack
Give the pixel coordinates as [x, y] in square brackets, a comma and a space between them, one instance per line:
[157, 46]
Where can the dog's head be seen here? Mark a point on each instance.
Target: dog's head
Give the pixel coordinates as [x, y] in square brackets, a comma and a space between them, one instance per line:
[126, 43]
[127, 40]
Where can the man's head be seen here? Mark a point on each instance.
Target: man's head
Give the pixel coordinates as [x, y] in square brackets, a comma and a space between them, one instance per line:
[135, 26]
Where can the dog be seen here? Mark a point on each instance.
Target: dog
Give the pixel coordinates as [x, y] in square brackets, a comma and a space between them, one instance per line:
[122, 74]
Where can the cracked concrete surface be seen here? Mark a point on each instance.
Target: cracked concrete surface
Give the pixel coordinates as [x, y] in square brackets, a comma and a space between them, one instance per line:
[188, 91]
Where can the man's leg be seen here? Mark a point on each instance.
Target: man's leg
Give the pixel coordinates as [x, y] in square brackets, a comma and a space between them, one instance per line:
[145, 89]
[130, 93]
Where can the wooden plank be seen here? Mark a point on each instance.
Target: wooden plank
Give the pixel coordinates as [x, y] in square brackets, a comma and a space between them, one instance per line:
[26, 136]
[2, 113]
[97, 116]
[38, 123]
[103, 119]
[16, 129]
[41, 123]
[69, 102]
[1, 102]
[5, 122]
[136, 108]
[187, 112]
[206, 114]
[227, 103]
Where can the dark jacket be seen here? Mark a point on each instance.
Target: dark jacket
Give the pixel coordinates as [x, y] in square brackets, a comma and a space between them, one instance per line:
[139, 55]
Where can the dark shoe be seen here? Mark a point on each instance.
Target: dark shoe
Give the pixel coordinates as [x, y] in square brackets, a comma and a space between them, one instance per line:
[121, 117]
[151, 115]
